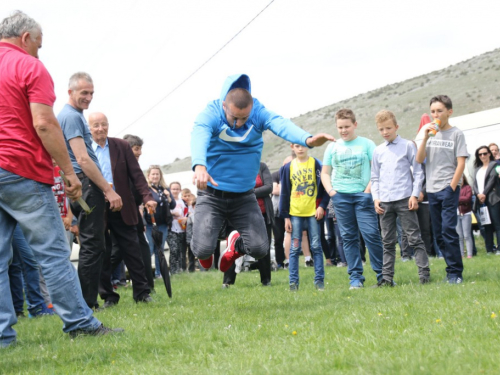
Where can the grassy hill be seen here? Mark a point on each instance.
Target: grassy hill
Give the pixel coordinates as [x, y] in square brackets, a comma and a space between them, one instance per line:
[471, 84]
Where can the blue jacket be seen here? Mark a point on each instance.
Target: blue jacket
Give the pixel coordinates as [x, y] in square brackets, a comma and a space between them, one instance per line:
[321, 199]
[232, 156]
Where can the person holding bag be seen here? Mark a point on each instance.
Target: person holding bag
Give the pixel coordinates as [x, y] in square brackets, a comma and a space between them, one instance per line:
[487, 190]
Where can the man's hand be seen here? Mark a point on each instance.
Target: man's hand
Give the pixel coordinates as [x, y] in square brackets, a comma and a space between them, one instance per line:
[288, 225]
[67, 222]
[320, 212]
[379, 210]
[413, 204]
[75, 230]
[201, 177]
[74, 190]
[481, 197]
[151, 204]
[115, 201]
[319, 139]
[420, 197]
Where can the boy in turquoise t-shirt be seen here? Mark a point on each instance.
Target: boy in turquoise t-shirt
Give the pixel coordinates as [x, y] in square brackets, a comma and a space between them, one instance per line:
[346, 177]
[303, 203]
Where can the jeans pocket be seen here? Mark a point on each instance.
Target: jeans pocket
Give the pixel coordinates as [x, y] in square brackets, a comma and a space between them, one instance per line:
[20, 193]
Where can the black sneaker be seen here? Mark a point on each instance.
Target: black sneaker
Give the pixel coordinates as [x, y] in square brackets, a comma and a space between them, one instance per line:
[385, 282]
[109, 304]
[99, 331]
[425, 280]
[146, 299]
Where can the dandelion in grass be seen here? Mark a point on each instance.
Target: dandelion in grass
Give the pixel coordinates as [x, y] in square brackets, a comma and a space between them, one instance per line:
[493, 315]
[438, 320]
[379, 314]
[294, 333]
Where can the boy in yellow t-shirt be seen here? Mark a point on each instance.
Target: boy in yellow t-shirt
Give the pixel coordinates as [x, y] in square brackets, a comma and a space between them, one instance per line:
[302, 204]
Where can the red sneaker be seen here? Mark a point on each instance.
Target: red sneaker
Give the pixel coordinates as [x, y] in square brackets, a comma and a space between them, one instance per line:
[229, 255]
[207, 263]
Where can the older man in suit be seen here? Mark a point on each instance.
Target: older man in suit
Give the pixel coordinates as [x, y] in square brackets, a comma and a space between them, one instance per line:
[121, 169]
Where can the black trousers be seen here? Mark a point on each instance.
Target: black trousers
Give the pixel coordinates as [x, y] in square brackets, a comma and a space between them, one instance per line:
[92, 243]
[279, 237]
[116, 253]
[128, 243]
[263, 264]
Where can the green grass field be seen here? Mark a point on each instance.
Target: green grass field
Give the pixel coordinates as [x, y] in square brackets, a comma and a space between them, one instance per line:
[248, 329]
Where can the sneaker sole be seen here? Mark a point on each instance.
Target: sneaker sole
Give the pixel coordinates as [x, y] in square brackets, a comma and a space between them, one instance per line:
[229, 239]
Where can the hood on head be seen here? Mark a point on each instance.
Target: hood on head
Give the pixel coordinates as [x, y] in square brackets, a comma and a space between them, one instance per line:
[233, 82]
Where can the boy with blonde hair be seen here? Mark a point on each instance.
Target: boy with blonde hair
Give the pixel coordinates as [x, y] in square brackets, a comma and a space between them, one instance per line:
[395, 190]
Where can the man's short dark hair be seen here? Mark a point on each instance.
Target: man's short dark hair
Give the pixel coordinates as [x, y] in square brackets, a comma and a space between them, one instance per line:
[444, 99]
[133, 140]
[241, 98]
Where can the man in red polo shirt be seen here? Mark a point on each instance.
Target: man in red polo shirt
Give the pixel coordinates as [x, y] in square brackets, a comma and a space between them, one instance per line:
[29, 136]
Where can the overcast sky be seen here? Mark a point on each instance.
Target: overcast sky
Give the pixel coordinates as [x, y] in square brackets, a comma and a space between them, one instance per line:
[300, 55]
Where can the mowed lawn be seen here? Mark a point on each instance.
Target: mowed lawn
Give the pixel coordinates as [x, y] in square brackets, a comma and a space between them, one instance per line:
[250, 329]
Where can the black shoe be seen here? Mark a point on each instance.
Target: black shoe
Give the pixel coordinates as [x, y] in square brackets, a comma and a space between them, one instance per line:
[425, 280]
[385, 282]
[99, 331]
[146, 299]
[20, 314]
[109, 304]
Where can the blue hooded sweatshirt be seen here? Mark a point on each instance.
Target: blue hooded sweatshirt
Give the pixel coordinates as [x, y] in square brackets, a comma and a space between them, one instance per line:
[232, 156]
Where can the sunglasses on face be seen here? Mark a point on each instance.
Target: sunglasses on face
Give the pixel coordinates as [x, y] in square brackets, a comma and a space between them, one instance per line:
[483, 153]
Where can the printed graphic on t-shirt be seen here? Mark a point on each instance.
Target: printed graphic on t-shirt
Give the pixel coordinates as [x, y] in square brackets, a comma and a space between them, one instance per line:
[440, 143]
[303, 188]
[349, 163]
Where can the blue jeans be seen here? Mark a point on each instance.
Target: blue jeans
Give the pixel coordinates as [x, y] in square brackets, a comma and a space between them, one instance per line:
[164, 229]
[299, 224]
[356, 212]
[32, 205]
[23, 256]
[443, 206]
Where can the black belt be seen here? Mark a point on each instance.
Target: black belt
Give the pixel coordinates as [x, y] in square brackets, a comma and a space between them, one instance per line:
[81, 175]
[227, 194]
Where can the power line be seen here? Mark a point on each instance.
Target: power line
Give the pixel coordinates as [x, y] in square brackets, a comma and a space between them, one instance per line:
[196, 71]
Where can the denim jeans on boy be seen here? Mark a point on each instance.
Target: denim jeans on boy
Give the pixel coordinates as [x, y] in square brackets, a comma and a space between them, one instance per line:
[299, 224]
[164, 230]
[23, 255]
[356, 211]
[443, 206]
[32, 205]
